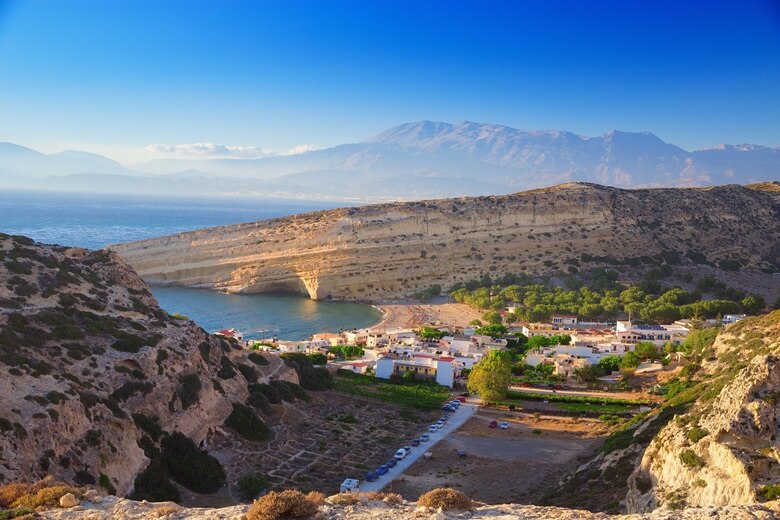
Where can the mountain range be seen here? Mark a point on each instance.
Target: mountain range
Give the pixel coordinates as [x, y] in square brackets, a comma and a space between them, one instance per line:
[409, 161]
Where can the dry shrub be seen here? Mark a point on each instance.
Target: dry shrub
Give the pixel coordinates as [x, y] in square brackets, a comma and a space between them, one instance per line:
[315, 497]
[278, 505]
[344, 499]
[46, 492]
[445, 498]
[349, 499]
[166, 510]
[390, 498]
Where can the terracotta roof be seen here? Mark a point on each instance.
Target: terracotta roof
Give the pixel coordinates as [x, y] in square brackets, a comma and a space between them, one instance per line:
[446, 358]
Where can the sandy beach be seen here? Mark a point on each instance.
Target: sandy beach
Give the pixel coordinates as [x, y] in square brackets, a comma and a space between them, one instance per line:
[415, 314]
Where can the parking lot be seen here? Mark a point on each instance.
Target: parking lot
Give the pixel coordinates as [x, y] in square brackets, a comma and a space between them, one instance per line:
[455, 421]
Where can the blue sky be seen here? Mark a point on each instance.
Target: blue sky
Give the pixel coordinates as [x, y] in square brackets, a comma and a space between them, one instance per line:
[116, 76]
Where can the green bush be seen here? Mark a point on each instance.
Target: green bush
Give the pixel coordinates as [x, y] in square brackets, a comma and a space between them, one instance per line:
[251, 485]
[690, 459]
[310, 377]
[770, 491]
[191, 467]
[106, 484]
[152, 484]
[149, 424]
[247, 424]
[257, 359]
[696, 434]
[188, 390]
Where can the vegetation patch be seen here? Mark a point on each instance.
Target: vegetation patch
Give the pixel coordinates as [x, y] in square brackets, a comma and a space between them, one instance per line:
[188, 390]
[691, 459]
[247, 424]
[422, 395]
[252, 484]
[445, 498]
[279, 505]
[190, 466]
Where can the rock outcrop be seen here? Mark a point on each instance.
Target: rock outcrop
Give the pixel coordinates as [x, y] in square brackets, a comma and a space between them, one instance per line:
[724, 450]
[395, 250]
[109, 508]
[89, 364]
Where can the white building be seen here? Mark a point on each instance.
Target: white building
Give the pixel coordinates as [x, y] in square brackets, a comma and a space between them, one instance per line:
[628, 332]
[443, 368]
[564, 320]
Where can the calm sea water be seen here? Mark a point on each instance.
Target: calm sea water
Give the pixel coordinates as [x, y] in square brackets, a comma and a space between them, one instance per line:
[95, 221]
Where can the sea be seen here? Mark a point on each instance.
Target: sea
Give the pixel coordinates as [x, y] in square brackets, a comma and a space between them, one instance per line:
[95, 221]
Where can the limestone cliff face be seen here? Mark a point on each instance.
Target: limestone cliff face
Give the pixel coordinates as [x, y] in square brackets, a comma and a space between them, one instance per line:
[83, 348]
[724, 450]
[394, 250]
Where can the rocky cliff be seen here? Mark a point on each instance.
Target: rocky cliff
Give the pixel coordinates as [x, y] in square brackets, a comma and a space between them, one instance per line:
[394, 250]
[724, 450]
[90, 366]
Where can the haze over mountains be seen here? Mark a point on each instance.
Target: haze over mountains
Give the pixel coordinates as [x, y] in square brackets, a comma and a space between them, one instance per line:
[410, 161]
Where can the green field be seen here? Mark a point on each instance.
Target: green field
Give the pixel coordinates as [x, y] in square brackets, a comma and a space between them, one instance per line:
[423, 396]
[564, 398]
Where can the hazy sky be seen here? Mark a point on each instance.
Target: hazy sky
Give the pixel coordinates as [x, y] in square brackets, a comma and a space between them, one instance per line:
[120, 77]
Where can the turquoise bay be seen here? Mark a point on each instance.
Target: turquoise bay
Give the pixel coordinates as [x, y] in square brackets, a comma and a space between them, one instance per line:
[94, 221]
[261, 316]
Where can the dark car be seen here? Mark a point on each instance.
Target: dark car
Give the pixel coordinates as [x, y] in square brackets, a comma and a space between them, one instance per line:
[415, 442]
[464, 394]
[461, 453]
[391, 463]
[493, 424]
[371, 476]
[381, 470]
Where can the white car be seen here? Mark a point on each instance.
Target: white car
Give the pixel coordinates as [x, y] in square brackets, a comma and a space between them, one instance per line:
[504, 425]
[400, 454]
[433, 428]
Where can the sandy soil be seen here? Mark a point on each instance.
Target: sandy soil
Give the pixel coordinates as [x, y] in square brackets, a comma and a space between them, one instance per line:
[412, 315]
[516, 462]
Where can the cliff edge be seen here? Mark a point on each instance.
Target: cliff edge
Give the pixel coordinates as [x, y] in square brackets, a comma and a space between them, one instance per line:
[394, 250]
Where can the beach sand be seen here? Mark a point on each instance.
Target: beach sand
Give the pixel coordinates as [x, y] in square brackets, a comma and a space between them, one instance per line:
[415, 314]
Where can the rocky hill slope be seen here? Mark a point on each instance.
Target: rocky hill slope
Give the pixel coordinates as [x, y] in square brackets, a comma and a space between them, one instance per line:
[394, 250]
[713, 442]
[93, 373]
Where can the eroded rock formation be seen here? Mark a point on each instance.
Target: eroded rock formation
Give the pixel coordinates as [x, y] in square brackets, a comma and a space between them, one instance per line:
[394, 250]
[85, 349]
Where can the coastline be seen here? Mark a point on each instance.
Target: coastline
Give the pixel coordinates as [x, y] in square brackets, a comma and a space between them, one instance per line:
[412, 314]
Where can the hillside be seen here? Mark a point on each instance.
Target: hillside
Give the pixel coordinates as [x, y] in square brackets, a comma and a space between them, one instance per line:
[713, 442]
[94, 375]
[394, 250]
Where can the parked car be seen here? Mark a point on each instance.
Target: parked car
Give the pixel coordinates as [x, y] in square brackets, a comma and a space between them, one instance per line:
[425, 437]
[526, 385]
[447, 408]
[371, 476]
[432, 428]
[464, 394]
[461, 399]
[461, 453]
[391, 463]
[557, 387]
[408, 449]
[400, 454]
[504, 425]
[381, 470]
[493, 424]
[415, 442]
